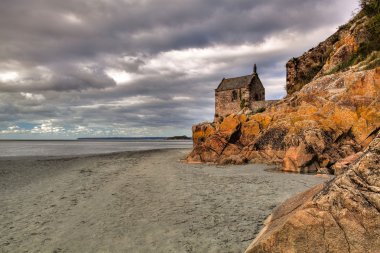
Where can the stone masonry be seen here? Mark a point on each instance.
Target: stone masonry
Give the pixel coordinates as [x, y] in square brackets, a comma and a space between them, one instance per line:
[238, 93]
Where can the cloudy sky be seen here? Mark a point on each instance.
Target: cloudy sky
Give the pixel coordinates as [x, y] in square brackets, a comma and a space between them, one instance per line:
[79, 68]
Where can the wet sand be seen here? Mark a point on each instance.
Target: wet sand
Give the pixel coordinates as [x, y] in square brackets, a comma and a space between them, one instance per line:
[144, 201]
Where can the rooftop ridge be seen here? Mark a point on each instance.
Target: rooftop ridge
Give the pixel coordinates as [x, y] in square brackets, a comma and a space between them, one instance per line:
[235, 82]
[237, 77]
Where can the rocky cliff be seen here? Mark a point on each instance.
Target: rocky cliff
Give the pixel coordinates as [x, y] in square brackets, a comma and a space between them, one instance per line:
[329, 119]
[328, 122]
[341, 216]
[331, 113]
[355, 42]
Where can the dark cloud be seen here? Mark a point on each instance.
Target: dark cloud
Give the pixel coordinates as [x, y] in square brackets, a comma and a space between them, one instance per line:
[62, 78]
[132, 67]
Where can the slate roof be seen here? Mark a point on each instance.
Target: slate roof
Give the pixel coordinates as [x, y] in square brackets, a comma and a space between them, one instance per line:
[235, 83]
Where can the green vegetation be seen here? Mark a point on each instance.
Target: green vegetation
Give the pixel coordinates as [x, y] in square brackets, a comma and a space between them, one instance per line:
[370, 7]
[356, 58]
[261, 109]
[242, 103]
[365, 26]
[365, 52]
[372, 61]
[373, 64]
[373, 43]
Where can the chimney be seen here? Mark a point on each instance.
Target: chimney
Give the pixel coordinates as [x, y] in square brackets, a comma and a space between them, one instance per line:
[255, 69]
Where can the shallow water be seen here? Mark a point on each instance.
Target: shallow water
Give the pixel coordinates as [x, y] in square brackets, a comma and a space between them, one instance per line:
[68, 148]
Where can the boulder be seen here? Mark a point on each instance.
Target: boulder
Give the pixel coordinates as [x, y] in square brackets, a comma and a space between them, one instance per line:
[299, 159]
[342, 215]
[202, 131]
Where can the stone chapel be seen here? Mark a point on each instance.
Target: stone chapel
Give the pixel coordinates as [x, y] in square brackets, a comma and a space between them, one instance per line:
[235, 94]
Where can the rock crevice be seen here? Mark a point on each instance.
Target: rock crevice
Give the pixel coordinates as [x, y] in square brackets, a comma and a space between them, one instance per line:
[342, 215]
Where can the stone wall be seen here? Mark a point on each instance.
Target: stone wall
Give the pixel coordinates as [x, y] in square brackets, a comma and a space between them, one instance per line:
[224, 104]
[257, 90]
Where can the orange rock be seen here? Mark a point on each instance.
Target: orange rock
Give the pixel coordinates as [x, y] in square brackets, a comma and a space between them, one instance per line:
[328, 119]
[242, 118]
[231, 149]
[249, 131]
[229, 126]
[263, 119]
[342, 215]
[297, 158]
[216, 143]
[201, 132]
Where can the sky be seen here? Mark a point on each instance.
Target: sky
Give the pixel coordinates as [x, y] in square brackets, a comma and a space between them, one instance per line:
[102, 68]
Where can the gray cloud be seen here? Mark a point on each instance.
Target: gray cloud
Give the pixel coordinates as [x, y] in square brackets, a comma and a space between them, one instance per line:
[132, 67]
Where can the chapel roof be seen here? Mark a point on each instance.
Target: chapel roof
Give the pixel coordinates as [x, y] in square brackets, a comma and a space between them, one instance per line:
[236, 82]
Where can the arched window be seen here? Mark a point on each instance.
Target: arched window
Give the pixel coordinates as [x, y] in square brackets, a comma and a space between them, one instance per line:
[234, 95]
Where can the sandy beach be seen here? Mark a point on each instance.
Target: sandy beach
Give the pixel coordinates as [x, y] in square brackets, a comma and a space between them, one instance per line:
[146, 201]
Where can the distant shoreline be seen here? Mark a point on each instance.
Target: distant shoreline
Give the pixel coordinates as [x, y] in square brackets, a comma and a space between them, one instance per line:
[173, 138]
[84, 147]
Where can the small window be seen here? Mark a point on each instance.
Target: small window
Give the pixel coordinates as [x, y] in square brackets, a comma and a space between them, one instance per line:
[234, 95]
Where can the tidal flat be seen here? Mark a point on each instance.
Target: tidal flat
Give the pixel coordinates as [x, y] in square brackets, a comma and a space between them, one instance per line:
[145, 201]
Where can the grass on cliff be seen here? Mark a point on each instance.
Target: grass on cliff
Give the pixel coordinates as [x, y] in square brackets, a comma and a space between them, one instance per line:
[370, 7]
[373, 42]
[368, 50]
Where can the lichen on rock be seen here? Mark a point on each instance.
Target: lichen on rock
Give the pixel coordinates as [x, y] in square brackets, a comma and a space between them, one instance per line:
[329, 119]
[342, 215]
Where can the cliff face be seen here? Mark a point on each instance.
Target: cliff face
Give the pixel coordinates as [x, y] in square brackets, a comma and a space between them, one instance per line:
[357, 41]
[331, 118]
[341, 216]
[331, 113]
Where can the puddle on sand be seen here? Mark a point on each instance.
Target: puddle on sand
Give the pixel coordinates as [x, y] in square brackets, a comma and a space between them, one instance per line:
[278, 170]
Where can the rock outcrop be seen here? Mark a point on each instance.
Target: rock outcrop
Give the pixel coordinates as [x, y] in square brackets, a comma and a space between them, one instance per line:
[341, 216]
[355, 42]
[329, 122]
[331, 112]
[329, 119]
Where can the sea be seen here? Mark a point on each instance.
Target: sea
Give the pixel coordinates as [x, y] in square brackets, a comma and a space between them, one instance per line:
[84, 147]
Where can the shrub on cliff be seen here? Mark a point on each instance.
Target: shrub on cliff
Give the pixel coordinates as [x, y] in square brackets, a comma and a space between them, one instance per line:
[242, 104]
[366, 49]
[260, 110]
[370, 7]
